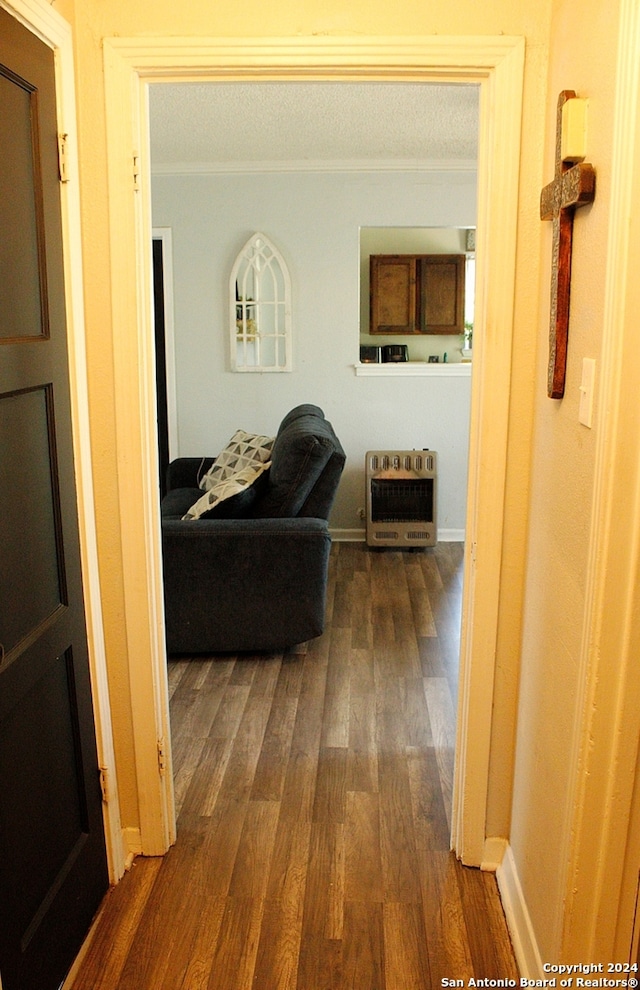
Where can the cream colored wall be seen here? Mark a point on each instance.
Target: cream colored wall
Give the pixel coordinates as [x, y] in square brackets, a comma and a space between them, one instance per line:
[66, 9]
[583, 58]
[96, 19]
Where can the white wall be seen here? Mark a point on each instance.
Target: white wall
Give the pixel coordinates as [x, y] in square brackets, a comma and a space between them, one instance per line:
[314, 219]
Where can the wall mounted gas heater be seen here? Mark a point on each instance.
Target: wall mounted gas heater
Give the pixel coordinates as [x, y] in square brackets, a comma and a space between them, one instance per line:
[401, 498]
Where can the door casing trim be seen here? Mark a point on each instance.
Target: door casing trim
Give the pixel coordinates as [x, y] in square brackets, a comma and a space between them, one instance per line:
[497, 65]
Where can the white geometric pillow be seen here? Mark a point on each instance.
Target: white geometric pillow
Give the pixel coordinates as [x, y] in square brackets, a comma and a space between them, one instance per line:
[235, 487]
[243, 450]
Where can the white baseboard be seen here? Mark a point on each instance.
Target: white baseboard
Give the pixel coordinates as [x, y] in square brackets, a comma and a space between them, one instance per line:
[360, 536]
[523, 937]
[348, 535]
[451, 535]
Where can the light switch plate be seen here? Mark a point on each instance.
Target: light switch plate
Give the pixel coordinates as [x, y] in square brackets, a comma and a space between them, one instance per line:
[585, 413]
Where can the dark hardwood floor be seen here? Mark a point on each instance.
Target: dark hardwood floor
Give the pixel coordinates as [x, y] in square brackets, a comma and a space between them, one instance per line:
[314, 797]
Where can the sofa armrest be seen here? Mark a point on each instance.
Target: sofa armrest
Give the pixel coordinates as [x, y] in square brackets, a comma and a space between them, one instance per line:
[244, 584]
[185, 472]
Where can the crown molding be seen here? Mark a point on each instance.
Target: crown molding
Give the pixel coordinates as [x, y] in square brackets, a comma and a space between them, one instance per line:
[357, 165]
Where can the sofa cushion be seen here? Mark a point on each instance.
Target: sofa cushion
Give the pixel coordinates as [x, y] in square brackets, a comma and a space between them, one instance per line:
[233, 497]
[178, 501]
[302, 449]
[243, 450]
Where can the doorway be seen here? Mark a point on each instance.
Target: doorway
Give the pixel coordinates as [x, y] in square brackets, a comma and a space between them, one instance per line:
[498, 68]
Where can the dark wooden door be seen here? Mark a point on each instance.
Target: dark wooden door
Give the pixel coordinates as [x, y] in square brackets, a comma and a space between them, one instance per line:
[53, 871]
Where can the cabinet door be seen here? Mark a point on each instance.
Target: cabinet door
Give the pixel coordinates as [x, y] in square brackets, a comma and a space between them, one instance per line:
[393, 294]
[441, 293]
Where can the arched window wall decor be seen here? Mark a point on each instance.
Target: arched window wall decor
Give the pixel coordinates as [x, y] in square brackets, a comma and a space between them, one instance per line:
[260, 308]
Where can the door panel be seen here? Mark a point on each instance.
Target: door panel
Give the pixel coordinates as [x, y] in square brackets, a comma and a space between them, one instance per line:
[26, 480]
[23, 301]
[53, 871]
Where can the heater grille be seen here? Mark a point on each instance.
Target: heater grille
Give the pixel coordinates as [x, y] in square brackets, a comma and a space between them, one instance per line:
[401, 497]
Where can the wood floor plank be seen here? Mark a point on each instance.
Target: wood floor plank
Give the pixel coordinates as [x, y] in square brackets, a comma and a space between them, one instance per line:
[391, 730]
[253, 859]
[397, 833]
[228, 716]
[279, 947]
[342, 602]
[423, 622]
[445, 926]
[324, 891]
[361, 611]
[195, 703]
[281, 933]
[363, 947]
[415, 712]
[363, 862]
[201, 944]
[314, 794]
[202, 794]
[362, 754]
[116, 927]
[335, 719]
[361, 672]
[406, 958]
[175, 673]
[442, 719]
[145, 966]
[430, 650]
[428, 803]
[234, 961]
[319, 966]
[484, 919]
[300, 779]
[274, 754]
[185, 767]
[331, 780]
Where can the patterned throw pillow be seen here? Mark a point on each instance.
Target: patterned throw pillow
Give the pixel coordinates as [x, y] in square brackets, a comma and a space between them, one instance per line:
[243, 450]
[229, 498]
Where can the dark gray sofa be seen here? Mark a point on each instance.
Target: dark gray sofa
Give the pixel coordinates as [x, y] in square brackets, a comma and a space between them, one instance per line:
[257, 582]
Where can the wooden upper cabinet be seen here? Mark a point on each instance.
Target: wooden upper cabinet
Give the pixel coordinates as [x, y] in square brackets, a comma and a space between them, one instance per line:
[441, 294]
[417, 293]
[393, 293]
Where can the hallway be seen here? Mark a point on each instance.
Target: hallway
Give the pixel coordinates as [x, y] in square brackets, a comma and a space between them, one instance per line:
[314, 798]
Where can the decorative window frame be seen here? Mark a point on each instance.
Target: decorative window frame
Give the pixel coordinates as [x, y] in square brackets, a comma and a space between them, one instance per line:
[260, 309]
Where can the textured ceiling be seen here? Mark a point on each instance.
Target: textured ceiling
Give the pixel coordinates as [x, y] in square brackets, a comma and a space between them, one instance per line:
[228, 123]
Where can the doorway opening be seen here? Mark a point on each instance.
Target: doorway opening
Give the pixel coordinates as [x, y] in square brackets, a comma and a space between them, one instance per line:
[209, 203]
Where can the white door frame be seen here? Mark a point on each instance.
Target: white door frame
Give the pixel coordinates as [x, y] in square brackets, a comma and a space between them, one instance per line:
[40, 18]
[497, 65]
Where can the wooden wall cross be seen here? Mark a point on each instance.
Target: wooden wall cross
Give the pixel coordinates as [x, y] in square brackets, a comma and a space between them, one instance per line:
[572, 186]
